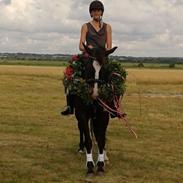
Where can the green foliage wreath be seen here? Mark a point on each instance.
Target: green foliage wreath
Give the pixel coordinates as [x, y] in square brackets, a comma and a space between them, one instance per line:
[77, 85]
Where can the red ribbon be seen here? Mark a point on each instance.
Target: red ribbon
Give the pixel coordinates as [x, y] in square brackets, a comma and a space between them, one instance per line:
[121, 115]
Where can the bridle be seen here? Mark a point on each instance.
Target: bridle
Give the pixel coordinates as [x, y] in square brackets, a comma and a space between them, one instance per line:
[90, 81]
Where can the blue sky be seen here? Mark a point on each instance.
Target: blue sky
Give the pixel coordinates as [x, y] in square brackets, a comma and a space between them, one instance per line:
[140, 27]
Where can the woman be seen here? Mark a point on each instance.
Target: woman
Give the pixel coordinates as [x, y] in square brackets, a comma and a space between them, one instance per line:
[95, 33]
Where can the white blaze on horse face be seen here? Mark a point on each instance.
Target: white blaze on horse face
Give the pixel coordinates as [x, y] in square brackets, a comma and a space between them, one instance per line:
[97, 68]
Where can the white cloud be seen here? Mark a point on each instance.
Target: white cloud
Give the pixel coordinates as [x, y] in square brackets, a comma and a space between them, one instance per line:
[140, 27]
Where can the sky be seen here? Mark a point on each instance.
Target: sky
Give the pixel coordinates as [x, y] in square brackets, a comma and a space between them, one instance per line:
[139, 27]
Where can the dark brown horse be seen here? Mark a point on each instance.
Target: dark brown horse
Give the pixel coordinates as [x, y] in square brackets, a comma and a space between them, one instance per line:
[94, 74]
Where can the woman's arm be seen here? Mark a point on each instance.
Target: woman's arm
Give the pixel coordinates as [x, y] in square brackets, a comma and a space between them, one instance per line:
[83, 37]
[109, 37]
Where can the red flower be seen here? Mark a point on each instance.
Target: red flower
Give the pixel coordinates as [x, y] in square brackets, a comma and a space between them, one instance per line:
[75, 58]
[69, 72]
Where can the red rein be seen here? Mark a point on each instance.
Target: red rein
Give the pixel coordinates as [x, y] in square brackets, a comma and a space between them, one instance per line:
[121, 115]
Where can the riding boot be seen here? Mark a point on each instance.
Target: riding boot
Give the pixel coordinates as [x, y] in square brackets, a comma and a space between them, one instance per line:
[70, 105]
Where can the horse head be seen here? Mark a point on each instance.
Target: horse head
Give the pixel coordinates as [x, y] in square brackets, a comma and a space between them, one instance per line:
[99, 53]
[99, 57]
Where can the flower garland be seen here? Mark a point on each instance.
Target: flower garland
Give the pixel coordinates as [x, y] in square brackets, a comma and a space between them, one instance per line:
[77, 85]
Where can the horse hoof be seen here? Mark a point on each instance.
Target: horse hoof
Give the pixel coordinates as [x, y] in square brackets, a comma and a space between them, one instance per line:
[100, 168]
[90, 174]
[81, 151]
[90, 170]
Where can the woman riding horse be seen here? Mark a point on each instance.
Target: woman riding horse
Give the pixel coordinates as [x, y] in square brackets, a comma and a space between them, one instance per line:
[95, 33]
[94, 73]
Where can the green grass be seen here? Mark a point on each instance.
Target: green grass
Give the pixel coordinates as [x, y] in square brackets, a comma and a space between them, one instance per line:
[38, 145]
[33, 62]
[64, 63]
[152, 65]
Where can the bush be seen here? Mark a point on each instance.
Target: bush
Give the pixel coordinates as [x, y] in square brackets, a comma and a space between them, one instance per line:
[172, 65]
[140, 64]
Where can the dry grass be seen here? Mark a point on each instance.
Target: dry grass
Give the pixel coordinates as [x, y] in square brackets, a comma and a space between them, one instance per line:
[147, 76]
[39, 145]
[156, 76]
[32, 70]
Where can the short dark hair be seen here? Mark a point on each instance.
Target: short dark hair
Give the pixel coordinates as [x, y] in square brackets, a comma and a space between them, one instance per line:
[96, 5]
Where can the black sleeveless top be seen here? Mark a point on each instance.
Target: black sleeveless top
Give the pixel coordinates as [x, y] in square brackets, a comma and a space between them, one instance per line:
[94, 38]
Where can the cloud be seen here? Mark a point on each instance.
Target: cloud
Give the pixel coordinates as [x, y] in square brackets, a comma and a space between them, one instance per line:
[140, 28]
[5, 2]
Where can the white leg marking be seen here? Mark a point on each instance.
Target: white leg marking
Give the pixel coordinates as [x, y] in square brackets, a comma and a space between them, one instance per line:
[89, 157]
[101, 157]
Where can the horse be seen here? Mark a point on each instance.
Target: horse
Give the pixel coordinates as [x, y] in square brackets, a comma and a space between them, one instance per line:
[94, 74]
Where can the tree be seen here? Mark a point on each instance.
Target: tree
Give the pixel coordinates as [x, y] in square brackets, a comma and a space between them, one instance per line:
[140, 64]
[172, 65]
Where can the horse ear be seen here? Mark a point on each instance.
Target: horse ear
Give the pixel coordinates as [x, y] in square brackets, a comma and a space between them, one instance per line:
[108, 52]
[88, 50]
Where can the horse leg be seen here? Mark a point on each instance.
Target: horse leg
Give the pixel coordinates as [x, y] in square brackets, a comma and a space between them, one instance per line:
[81, 133]
[94, 140]
[100, 126]
[88, 145]
[91, 131]
[84, 120]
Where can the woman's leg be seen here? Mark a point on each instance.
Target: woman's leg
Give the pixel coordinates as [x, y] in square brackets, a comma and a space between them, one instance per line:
[70, 105]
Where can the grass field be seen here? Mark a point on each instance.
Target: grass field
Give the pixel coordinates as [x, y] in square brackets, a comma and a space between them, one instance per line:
[38, 145]
[33, 62]
[64, 63]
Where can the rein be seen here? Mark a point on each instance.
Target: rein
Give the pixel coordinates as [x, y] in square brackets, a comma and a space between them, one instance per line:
[121, 115]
